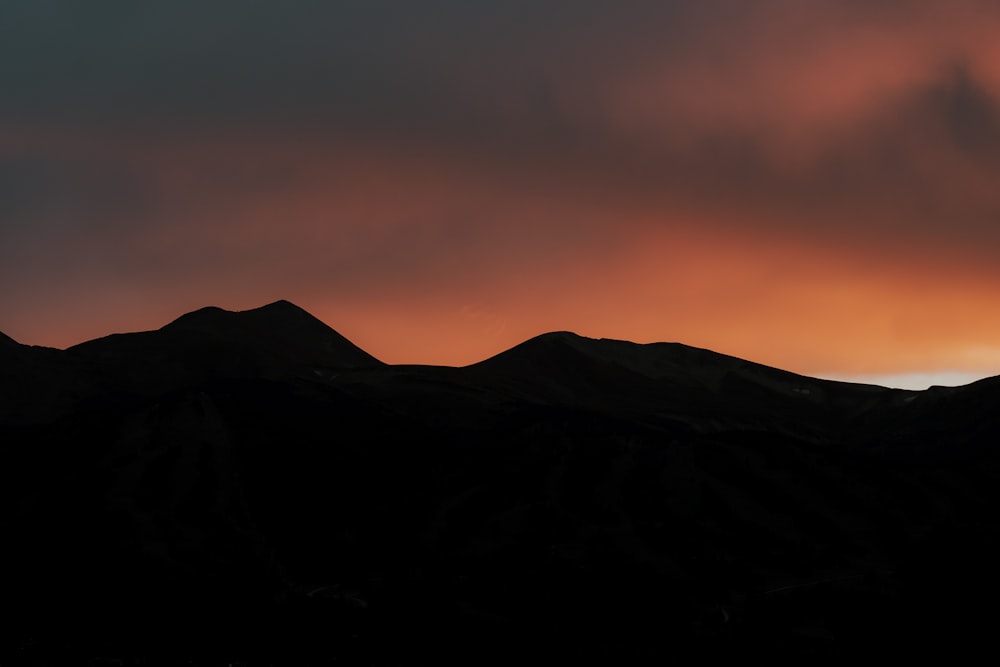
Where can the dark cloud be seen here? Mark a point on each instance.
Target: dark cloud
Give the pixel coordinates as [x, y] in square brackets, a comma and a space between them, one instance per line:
[970, 113]
[385, 148]
[243, 58]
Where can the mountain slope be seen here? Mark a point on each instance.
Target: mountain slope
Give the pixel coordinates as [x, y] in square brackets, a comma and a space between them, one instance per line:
[705, 389]
[251, 483]
[6, 342]
[282, 328]
[279, 340]
[40, 384]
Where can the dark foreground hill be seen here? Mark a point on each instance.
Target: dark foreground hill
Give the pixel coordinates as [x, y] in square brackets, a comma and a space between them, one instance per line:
[253, 487]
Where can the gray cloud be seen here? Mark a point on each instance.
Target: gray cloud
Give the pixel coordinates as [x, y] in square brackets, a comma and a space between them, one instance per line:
[238, 141]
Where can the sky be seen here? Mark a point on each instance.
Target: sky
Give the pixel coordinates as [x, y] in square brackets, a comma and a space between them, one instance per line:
[809, 184]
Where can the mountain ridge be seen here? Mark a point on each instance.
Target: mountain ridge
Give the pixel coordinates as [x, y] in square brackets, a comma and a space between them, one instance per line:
[252, 483]
[659, 358]
[275, 341]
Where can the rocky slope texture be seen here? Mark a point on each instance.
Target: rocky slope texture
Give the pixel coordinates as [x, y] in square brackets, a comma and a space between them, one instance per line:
[252, 486]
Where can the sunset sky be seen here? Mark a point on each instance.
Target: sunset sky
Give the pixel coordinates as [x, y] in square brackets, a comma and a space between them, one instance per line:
[810, 184]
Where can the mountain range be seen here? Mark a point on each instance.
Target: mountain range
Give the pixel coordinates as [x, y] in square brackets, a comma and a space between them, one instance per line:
[252, 487]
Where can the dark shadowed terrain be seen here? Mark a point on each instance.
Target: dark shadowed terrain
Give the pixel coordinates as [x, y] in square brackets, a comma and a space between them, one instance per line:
[252, 488]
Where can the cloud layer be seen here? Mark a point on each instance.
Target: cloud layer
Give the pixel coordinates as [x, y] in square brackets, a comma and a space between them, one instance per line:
[809, 184]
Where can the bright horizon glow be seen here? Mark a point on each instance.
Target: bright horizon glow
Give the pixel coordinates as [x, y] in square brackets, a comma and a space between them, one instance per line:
[487, 327]
[913, 381]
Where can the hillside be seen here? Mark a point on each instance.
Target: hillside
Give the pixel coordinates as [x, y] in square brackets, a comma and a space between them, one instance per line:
[253, 485]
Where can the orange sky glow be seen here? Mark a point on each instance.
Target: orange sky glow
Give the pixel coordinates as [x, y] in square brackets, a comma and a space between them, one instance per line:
[809, 185]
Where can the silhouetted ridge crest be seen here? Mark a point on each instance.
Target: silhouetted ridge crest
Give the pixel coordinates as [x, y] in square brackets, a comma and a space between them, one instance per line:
[281, 327]
[674, 361]
[280, 314]
[202, 317]
[704, 389]
[223, 473]
[653, 360]
[279, 340]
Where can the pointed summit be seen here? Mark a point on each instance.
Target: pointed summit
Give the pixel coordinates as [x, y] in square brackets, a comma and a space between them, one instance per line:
[283, 305]
[279, 340]
[279, 313]
[282, 328]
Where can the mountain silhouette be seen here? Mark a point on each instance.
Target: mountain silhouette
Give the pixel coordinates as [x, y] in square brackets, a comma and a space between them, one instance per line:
[282, 328]
[279, 340]
[252, 484]
[6, 342]
[706, 390]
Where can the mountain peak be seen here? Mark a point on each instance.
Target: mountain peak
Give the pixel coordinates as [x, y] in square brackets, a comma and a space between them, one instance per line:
[281, 304]
[564, 353]
[214, 315]
[206, 314]
[553, 336]
[274, 340]
[282, 327]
